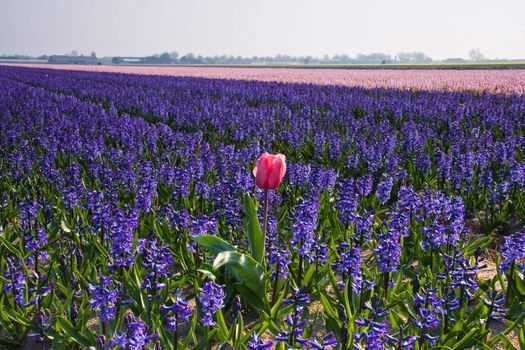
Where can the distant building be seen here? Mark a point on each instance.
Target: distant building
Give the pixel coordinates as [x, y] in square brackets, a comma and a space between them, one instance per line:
[454, 60]
[63, 59]
[128, 60]
[106, 60]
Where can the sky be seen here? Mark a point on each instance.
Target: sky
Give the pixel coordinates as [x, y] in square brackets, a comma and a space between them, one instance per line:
[439, 28]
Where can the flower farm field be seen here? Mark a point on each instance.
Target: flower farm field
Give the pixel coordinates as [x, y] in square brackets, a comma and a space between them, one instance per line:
[490, 80]
[130, 217]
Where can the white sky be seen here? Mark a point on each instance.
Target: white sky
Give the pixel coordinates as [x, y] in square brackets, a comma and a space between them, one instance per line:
[440, 28]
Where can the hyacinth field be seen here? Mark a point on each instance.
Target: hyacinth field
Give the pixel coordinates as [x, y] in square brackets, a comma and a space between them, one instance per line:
[130, 216]
[487, 80]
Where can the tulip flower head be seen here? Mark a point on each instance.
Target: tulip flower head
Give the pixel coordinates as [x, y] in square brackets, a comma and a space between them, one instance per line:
[269, 171]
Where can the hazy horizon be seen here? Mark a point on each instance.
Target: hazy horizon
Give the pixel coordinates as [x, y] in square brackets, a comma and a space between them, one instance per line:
[448, 28]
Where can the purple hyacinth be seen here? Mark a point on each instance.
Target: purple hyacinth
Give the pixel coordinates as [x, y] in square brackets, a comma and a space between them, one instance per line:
[16, 279]
[277, 254]
[463, 275]
[428, 306]
[179, 311]
[402, 341]
[34, 243]
[347, 200]
[29, 213]
[349, 265]
[495, 302]
[305, 223]
[123, 224]
[388, 250]
[136, 337]
[444, 220]
[157, 262]
[364, 184]
[325, 343]
[373, 329]
[255, 343]
[294, 322]
[104, 298]
[211, 299]
[384, 188]
[513, 250]
[279, 259]
[364, 226]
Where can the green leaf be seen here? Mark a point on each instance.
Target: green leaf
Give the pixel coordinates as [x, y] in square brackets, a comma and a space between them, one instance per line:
[520, 284]
[278, 302]
[7, 325]
[207, 339]
[252, 275]
[9, 246]
[223, 328]
[19, 319]
[74, 333]
[212, 243]
[253, 229]
[64, 227]
[465, 342]
[9, 343]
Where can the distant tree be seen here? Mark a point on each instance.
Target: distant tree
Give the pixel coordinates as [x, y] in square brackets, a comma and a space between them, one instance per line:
[476, 55]
[307, 59]
[413, 57]
[174, 55]
[93, 54]
[374, 58]
[165, 58]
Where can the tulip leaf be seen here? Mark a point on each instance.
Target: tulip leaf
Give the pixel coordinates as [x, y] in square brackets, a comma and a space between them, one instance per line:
[253, 229]
[253, 279]
[214, 244]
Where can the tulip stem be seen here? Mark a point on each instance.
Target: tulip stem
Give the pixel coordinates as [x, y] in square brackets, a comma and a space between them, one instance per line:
[265, 212]
[265, 223]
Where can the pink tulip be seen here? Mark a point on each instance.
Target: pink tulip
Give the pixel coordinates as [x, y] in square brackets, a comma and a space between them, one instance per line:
[269, 171]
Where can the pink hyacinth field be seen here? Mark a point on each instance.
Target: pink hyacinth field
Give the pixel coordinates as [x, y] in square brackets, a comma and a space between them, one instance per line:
[489, 80]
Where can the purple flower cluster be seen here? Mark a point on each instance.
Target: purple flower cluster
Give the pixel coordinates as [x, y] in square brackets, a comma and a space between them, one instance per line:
[388, 250]
[104, 298]
[349, 265]
[256, 343]
[384, 188]
[179, 311]
[211, 299]
[513, 250]
[157, 262]
[16, 279]
[136, 337]
[428, 306]
[303, 229]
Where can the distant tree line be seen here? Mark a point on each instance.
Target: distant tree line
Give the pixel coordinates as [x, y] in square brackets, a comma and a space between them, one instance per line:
[190, 58]
[23, 57]
[415, 57]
